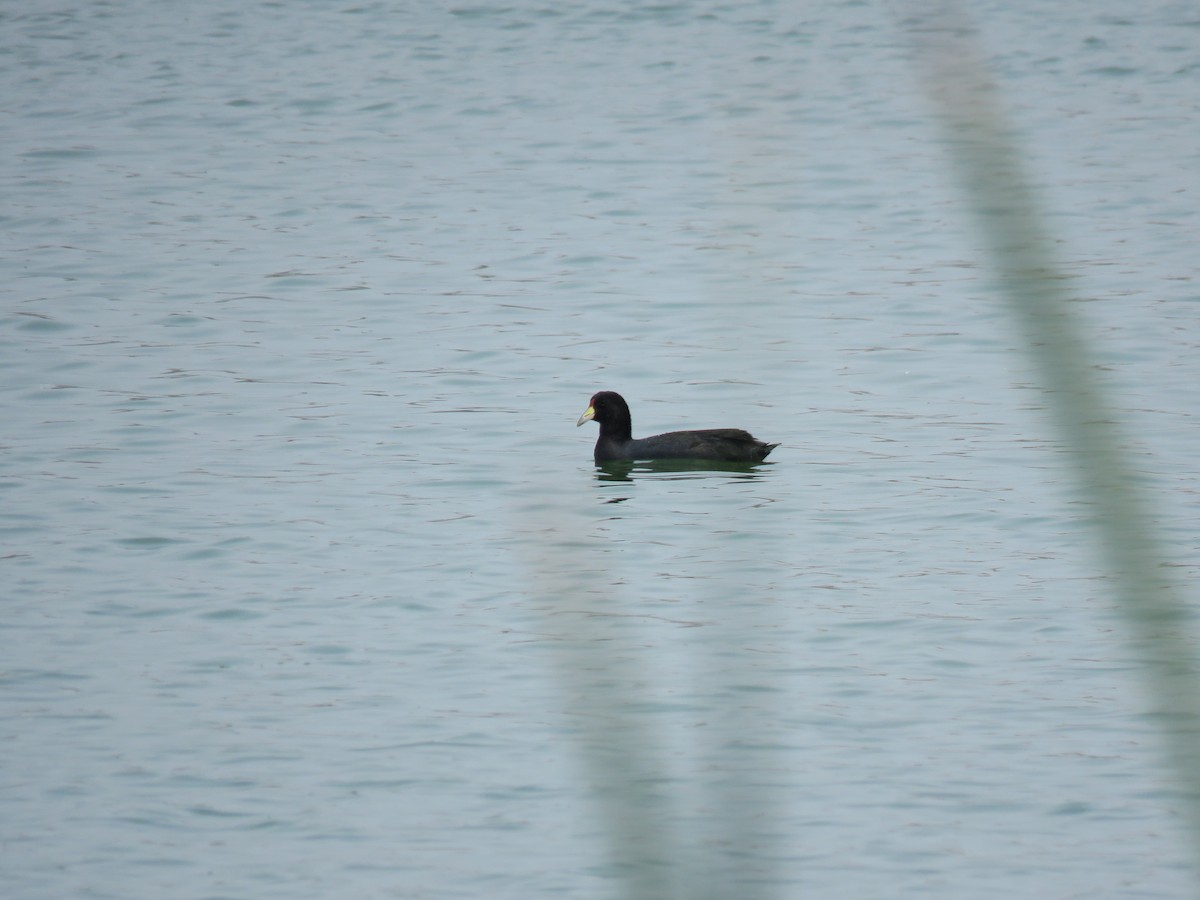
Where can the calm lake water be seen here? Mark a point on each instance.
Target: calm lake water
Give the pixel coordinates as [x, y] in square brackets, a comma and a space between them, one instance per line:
[311, 588]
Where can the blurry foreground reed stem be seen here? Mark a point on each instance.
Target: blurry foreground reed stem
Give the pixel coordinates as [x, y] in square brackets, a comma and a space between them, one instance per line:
[990, 166]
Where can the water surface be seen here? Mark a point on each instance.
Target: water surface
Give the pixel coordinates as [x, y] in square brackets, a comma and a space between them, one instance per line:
[312, 588]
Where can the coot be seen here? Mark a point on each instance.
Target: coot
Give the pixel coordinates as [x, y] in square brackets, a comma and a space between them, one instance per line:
[616, 439]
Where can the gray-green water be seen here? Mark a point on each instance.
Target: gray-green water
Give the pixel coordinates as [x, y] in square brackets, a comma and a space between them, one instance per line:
[310, 583]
